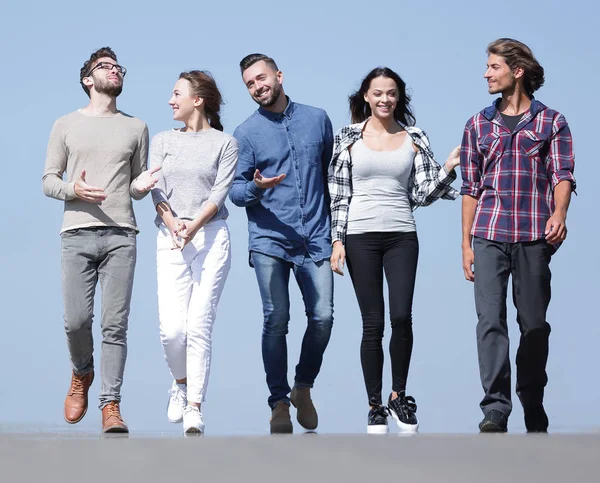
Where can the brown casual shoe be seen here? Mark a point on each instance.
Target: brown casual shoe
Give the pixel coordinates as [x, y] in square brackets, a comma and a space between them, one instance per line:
[112, 422]
[280, 419]
[76, 402]
[307, 414]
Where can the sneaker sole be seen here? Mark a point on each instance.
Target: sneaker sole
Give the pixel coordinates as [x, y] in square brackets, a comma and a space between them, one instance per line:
[405, 428]
[490, 427]
[377, 429]
[193, 432]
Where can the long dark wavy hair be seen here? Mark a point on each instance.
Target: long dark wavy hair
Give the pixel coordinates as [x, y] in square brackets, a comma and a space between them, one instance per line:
[360, 109]
[203, 85]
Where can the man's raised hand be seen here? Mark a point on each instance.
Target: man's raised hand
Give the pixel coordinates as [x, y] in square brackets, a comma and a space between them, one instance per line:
[88, 193]
[145, 181]
[265, 183]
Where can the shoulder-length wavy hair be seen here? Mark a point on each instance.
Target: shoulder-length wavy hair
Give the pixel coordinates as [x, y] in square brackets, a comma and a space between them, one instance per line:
[517, 54]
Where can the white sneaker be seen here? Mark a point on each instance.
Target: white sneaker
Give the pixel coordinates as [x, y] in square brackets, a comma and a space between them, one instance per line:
[192, 421]
[177, 403]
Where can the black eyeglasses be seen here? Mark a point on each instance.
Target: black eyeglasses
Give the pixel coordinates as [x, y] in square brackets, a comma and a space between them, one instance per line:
[108, 66]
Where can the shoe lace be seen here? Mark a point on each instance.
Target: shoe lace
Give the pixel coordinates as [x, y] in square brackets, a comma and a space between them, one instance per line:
[78, 386]
[405, 404]
[112, 410]
[408, 403]
[177, 395]
[381, 411]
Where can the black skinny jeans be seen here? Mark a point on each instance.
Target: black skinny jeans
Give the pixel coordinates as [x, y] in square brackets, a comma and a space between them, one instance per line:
[369, 255]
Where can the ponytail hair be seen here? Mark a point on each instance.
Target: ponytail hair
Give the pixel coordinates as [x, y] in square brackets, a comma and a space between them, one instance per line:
[360, 109]
[203, 85]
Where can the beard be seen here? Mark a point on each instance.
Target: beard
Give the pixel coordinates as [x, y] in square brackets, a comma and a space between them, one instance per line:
[271, 99]
[108, 88]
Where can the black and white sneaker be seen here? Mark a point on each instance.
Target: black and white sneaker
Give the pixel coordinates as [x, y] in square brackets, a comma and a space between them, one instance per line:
[403, 410]
[377, 423]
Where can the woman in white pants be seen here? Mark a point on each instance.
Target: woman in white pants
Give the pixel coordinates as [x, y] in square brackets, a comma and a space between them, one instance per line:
[198, 163]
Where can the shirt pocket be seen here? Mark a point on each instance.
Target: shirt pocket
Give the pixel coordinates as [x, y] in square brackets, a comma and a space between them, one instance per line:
[490, 146]
[532, 143]
[313, 151]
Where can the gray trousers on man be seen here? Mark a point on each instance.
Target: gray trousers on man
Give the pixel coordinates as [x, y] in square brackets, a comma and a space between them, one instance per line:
[529, 265]
[106, 254]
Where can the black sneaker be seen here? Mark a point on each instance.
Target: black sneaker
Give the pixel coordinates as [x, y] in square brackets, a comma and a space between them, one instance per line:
[536, 420]
[403, 410]
[494, 422]
[377, 423]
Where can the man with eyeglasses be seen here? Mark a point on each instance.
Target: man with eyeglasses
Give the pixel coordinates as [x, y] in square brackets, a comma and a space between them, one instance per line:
[103, 153]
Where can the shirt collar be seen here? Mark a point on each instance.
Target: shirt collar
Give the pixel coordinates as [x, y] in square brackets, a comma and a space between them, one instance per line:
[492, 111]
[277, 116]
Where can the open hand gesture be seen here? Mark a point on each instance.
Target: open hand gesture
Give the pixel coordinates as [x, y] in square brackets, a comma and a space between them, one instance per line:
[145, 181]
[88, 193]
[264, 183]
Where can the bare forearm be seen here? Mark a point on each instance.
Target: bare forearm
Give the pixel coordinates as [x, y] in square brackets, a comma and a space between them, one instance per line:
[469, 205]
[164, 211]
[562, 197]
[209, 210]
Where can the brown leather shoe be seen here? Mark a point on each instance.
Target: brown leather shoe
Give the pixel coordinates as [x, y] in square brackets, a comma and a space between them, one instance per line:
[112, 422]
[76, 402]
[307, 414]
[280, 419]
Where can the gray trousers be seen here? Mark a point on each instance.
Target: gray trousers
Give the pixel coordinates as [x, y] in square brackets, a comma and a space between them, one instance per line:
[529, 266]
[107, 254]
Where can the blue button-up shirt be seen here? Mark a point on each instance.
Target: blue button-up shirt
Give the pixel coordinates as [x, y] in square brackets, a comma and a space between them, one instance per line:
[290, 221]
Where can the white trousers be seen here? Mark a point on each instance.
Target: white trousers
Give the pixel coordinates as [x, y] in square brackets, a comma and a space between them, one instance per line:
[190, 283]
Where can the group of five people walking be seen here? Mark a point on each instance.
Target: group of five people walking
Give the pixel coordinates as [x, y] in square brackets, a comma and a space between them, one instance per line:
[314, 203]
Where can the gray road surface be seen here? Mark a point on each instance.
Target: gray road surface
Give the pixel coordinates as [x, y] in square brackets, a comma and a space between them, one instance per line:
[307, 458]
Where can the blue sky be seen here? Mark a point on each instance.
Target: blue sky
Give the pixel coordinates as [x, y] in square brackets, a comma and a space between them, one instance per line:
[324, 50]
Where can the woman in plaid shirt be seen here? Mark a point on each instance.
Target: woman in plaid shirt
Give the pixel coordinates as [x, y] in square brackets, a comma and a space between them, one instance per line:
[382, 169]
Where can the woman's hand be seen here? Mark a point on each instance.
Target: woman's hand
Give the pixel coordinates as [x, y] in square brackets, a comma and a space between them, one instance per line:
[188, 232]
[453, 159]
[338, 257]
[176, 226]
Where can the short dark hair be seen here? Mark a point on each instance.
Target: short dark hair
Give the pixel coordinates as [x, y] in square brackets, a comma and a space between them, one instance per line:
[252, 59]
[517, 54]
[91, 62]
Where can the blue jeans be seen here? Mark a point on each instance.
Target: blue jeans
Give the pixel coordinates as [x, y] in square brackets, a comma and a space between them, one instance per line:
[315, 281]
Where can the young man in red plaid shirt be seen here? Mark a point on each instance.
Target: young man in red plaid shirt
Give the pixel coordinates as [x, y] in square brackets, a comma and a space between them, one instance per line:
[517, 166]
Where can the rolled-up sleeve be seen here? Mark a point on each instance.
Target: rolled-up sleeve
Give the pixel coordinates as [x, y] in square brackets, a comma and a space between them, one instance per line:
[561, 158]
[470, 163]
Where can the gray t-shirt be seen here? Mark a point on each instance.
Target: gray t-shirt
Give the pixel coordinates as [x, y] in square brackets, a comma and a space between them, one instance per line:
[196, 167]
[112, 150]
[380, 189]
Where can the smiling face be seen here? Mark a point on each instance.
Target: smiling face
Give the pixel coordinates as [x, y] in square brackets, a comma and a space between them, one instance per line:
[499, 76]
[382, 97]
[107, 81]
[263, 83]
[183, 101]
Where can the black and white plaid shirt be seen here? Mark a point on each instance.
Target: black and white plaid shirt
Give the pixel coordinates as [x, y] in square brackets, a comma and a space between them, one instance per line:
[428, 180]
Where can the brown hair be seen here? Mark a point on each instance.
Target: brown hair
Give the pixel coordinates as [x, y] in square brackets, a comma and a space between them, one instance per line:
[517, 54]
[203, 85]
[91, 63]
